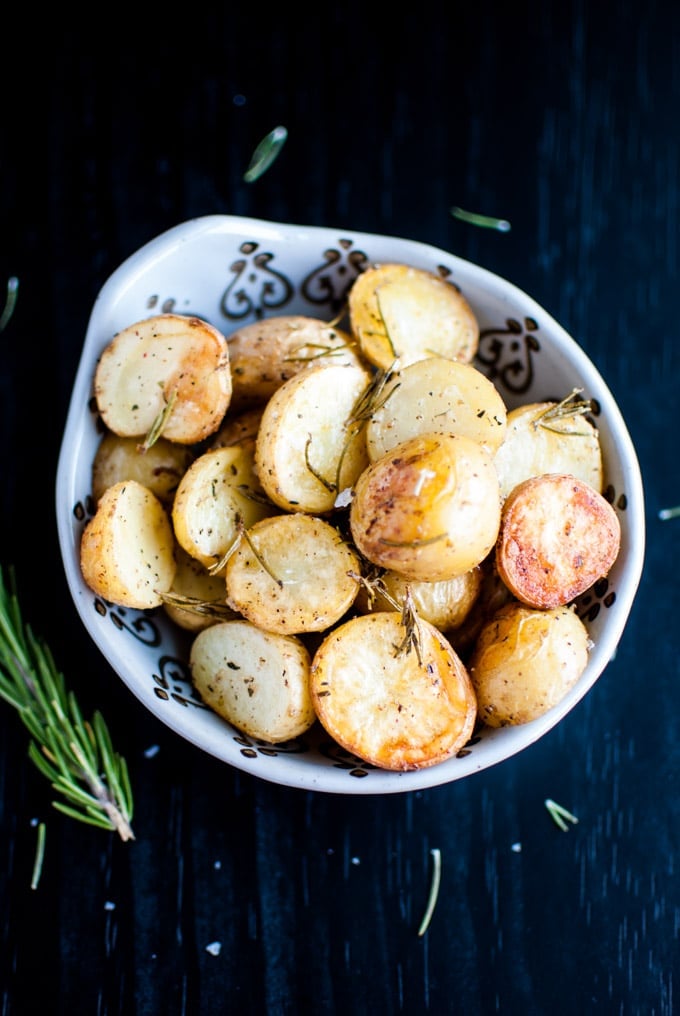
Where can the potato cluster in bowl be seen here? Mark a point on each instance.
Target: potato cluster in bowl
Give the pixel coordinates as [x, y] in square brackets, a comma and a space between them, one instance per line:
[350, 523]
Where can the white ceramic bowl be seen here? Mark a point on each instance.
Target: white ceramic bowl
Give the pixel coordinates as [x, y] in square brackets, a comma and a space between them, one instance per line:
[231, 271]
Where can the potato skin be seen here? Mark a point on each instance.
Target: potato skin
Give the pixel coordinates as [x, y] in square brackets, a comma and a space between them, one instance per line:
[557, 537]
[429, 509]
[525, 661]
[127, 549]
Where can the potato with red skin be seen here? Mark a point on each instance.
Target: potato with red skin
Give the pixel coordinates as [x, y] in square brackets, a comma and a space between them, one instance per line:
[557, 537]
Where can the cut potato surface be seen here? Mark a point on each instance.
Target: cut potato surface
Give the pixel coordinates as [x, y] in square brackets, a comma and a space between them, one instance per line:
[308, 448]
[159, 468]
[127, 547]
[266, 353]
[170, 364]
[557, 537]
[525, 661]
[429, 509]
[294, 573]
[383, 703]
[437, 396]
[400, 313]
[541, 440]
[217, 494]
[256, 680]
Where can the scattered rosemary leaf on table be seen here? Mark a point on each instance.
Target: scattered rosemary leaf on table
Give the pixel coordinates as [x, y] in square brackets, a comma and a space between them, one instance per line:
[485, 221]
[558, 814]
[76, 756]
[39, 855]
[434, 891]
[669, 513]
[265, 153]
[10, 302]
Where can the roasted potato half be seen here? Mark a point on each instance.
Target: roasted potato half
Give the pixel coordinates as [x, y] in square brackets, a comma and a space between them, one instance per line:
[266, 353]
[256, 680]
[309, 448]
[525, 661]
[393, 702]
[127, 549]
[428, 509]
[169, 373]
[557, 537]
[159, 467]
[292, 573]
[399, 313]
[444, 604]
[436, 396]
[196, 599]
[548, 437]
[217, 495]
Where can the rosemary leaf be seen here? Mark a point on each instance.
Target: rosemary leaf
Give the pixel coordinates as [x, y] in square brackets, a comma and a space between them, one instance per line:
[434, 891]
[265, 153]
[75, 756]
[485, 221]
[669, 513]
[559, 814]
[39, 856]
[10, 302]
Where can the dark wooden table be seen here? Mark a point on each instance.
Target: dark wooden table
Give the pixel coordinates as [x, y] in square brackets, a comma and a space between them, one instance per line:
[564, 119]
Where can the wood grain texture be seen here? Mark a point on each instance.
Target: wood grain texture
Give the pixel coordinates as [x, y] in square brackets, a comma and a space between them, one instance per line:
[238, 896]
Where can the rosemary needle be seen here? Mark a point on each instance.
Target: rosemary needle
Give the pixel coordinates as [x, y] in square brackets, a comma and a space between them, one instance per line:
[669, 513]
[39, 856]
[76, 756]
[434, 891]
[485, 221]
[558, 814]
[265, 153]
[10, 302]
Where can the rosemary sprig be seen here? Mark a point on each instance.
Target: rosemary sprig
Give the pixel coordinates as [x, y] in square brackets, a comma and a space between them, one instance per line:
[76, 756]
[265, 153]
[558, 814]
[567, 408]
[485, 221]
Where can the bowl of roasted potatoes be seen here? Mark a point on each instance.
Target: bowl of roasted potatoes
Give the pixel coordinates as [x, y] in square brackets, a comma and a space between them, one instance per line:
[345, 511]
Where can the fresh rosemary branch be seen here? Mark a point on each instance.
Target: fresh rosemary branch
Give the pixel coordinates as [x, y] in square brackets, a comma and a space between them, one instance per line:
[76, 756]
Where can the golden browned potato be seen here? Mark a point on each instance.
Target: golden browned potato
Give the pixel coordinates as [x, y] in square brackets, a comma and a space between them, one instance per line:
[387, 701]
[127, 549]
[309, 449]
[159, 468]
[429, 509]
[266, 353]
[170, 372]
[525, 661]
[238, 427]
[217, 495]
[256, 680]
[436, 396]
[548, 437]
[292, 573]
[401, 313]
[557, 537]
[196, 599]
[444, 604]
